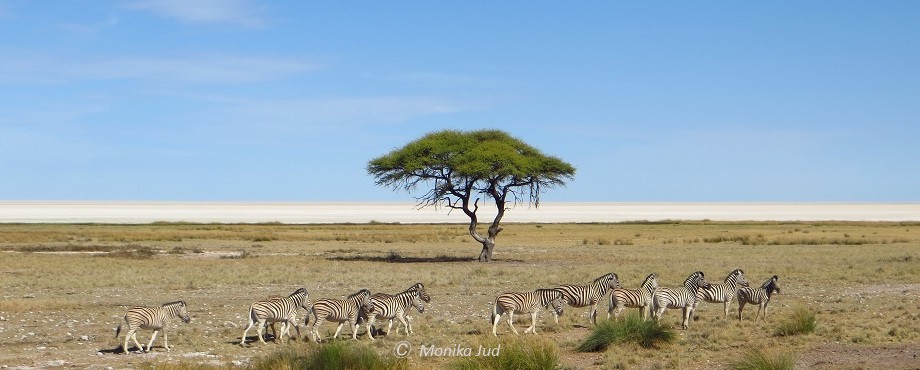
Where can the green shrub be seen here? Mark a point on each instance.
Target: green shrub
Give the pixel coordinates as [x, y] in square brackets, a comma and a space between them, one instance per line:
[515, 353]
[757, 359]
[334, 355]
[646, 333]
[800, 321]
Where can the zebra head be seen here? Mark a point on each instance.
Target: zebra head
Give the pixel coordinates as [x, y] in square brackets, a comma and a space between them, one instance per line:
[558, 303]
[181, 310]
[771, 285]
[301, 297]
[363, 300]
[420, 288]
[738, 277]
[612, 281]
[651, 282]
[695, 281]
[419, 302]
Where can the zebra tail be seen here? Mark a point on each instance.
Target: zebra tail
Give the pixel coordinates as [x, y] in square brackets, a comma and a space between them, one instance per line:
[118, 331]
[306, 318]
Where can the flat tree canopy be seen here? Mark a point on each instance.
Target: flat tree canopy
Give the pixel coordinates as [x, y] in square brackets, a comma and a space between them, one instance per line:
[456, 168]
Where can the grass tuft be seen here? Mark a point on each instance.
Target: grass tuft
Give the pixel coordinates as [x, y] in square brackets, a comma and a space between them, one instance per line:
[758, 359]
[800, 321]
[646, 333]
[515, 353]
[334, 355]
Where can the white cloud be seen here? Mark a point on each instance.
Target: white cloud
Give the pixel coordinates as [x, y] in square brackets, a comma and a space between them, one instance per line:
[204, 11]
[200, 69]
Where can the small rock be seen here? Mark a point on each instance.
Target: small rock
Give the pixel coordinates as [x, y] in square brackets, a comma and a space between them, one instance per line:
[84, 337]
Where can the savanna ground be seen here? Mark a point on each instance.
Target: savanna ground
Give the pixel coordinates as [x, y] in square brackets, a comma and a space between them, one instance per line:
[66, 287]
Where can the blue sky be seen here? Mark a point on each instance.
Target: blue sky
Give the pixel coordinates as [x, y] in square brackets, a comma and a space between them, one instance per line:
[215, 100]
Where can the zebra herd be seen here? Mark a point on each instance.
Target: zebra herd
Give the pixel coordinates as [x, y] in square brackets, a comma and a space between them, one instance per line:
[357, 307]
[649, 298]
[362, 306]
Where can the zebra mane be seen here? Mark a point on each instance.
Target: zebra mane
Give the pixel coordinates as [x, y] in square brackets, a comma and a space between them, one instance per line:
[648, 279]
[182, 303]
[771, 282]
[298, 292]
[736, 272]
[360, 292]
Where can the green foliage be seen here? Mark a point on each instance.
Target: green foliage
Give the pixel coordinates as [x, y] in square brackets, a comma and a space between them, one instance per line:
[334, 355]
[800, 321]
[515, 353]
[757, 359]
[480, 159]
[646, 333]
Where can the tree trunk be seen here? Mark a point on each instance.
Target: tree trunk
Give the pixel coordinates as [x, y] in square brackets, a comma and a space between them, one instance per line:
[487, 246]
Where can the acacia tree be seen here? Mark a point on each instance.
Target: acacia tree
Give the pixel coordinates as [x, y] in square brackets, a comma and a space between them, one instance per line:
[459, 167]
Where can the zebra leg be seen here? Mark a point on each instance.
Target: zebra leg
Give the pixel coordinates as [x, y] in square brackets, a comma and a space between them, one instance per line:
[314, 331]
[390, 327]
[338, 330]
[260, 331]
[166, 340]
[594, 314]
[243, 339]
[687, 311]
[496, 317]
[131, 335]
[533, 323]
[725, 306]
[511, 321]
[152, 338]
[354, 329]
[408, 325]
[740, 309]
[370, 326]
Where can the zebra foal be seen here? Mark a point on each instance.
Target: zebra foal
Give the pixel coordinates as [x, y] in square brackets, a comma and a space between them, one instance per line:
[634, 298]
[341, 311]
[723, 293]
[526, 302]
[156, 318]
[683, 298]
[760, 297]
[389, 307]
[589, 295]
[270, 311]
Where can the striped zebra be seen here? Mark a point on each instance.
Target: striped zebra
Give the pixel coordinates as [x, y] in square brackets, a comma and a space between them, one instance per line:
[341, 311]
[270, 311]
[526, 302]
[760, 297]
[156, 318]
[683, 298]
[723, 292]
[634, 298]
[589, 295]
[396, 306]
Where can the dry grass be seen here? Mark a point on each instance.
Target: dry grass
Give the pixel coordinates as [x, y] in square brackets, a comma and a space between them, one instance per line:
[861, 280]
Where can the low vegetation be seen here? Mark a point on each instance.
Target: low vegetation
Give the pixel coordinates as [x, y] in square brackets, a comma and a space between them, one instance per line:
[759, 359]
[631, 329]
[67, 286]
[800, 321]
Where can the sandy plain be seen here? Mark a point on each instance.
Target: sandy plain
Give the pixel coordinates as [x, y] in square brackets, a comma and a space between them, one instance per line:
[406, 212]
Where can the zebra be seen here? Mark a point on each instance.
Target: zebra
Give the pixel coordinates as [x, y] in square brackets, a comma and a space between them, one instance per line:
[395, 306]
[723, 292]
[156, 318]
[526, 302]
[589, 295]
[269, 311]
[683, 298]
[637, 298]
[339, 310]
[760, 297]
